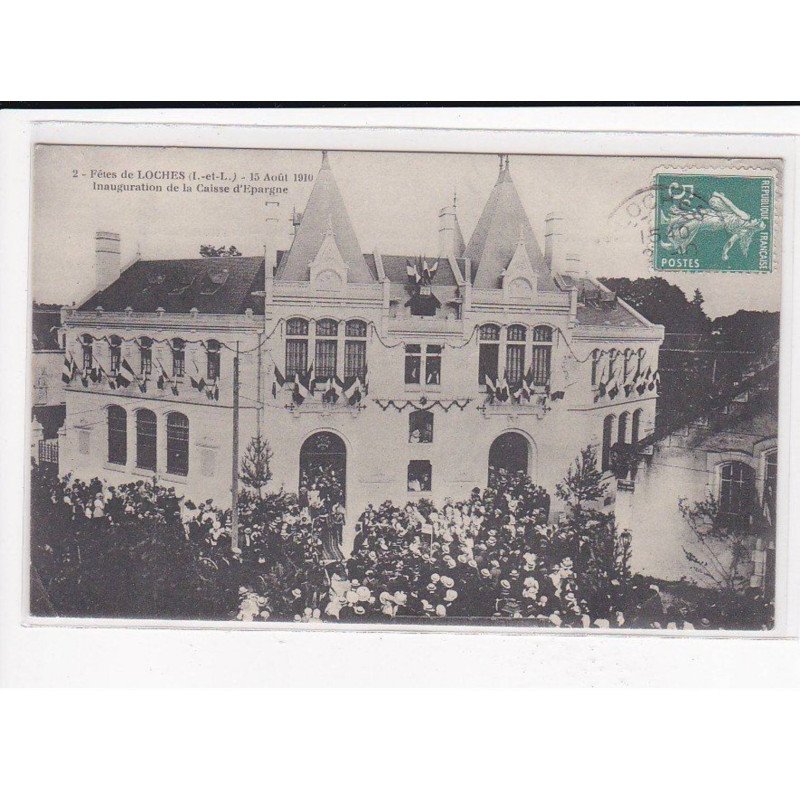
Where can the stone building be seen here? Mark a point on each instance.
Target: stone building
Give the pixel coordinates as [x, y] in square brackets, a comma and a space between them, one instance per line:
[403, 376]
[48, 404]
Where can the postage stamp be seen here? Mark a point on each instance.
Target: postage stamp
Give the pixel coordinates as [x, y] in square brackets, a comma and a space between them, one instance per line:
[713, 223]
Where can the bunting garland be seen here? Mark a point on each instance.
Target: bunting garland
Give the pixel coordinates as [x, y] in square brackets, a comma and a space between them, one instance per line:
[400, 405]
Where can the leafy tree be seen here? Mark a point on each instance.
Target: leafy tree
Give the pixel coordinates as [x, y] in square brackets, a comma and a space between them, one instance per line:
[662, 302]
[255, 471]
[209, 251]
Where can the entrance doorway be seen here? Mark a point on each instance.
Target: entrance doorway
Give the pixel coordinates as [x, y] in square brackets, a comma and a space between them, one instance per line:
[509, 451]
[323, 467]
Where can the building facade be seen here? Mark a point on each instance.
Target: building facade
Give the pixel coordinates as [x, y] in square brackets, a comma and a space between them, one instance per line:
[402, 376]
[48, 402]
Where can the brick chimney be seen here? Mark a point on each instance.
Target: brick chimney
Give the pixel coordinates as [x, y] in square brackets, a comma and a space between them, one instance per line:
[107, 259]
[554, 254]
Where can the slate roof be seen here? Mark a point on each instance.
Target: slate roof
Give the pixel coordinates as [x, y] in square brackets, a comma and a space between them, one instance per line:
[211, 285]
[497, 234]
[324, 212]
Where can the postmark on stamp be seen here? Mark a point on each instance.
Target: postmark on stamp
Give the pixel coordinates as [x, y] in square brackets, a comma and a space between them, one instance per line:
[713, 223]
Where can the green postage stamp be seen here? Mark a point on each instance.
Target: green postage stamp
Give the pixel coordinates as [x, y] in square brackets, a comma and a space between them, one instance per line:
[713, 223]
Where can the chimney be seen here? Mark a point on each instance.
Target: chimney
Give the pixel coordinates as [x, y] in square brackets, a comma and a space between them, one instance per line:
[554, 243]
[107, 259]
[447, 232]
[572, 264]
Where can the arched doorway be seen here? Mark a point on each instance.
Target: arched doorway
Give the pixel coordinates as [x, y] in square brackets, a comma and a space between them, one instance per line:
[323, 466]
[509, 451]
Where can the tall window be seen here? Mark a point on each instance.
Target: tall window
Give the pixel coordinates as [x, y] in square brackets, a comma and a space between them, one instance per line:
[488, 353]
[641, 355]
[213, 349]
[327, 331]
[86, 350]
[117, 435]
[178, 358]
[355, 349]
[627, 369]
[145, 355]
[146, 439]
[596, 356]
[736, 490]
[622, 428]
[541, 353]
[771, 480]
[420, 476]
[177, 443]
[433, 364]
[608, 433]
[515, 353]
[420, 427]
[115, 352]
[296, 347]
[413, 369]
[636, 425]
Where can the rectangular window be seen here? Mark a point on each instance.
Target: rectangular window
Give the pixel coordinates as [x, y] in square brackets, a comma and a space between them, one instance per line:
[433, 365]
[488, 356]
[413, 363]
[355, 359]
[146, 361]
[540, 363]
[87, 357]
[515, 362]
[325, 359]
[296, 357]
[116, 352]
[178, 363]
[146, 439]
[117, 435]
[213, 365]
[420, 476]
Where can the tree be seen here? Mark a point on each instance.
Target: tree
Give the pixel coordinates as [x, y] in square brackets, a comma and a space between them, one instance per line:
[209, 251]
[255, 472]
[698, 300]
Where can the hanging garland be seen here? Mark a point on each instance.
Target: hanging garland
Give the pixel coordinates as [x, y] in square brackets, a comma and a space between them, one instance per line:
[422, 405]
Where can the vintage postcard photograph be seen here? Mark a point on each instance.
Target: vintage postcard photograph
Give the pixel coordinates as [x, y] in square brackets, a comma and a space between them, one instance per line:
[404, 388]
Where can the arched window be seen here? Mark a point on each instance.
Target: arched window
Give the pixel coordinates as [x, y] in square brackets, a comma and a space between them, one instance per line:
[145, 355]
[608, 433]
[213, 349]
[515, 353]
[115, 353]
[622, 428]
[178, 358]
[420, 427]
[541, 354]
[86, 351]
[117, 435]
[296, 347]
[146, 439]
[177, 443]
[327, 331]
[636, 425]
[736, 490]
[488, 353]
[355, 349]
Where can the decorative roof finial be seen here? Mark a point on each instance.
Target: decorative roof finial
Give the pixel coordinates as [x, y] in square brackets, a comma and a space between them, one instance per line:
[324, 159]
[501, 161]
[507, 164]
[454, 198]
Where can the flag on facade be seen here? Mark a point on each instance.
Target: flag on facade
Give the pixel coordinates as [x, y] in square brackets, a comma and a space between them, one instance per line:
[613, 391]
[163, 378]
[411, 271]
[125, 374]
[491, 387]
[502, 389]
[196, 380]
[70, 368]
[277, 381]
[300, 390]
[559, 395]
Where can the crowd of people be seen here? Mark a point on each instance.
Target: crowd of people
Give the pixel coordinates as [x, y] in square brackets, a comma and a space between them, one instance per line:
[492, 555]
